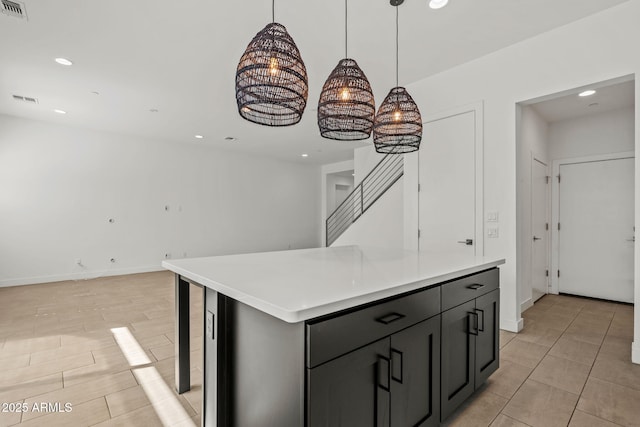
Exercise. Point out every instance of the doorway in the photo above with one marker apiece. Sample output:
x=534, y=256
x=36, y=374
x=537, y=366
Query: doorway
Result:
x=596, y=233
x=540, y=229
x=576, y=131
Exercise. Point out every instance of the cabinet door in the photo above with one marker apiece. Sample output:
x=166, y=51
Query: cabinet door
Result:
x=458, y=356
x=415, y=375
x=487, y=341
x=352, y=390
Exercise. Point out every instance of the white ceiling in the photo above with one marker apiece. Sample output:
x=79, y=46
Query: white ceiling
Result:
x=608, y=97
x=180, y=58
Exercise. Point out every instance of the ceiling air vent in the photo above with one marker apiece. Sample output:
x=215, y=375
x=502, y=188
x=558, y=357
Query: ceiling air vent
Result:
x=25, y=98
x=13, y=8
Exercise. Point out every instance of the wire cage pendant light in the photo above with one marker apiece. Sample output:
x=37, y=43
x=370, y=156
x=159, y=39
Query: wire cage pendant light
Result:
x=271, y=78
x=346, y=108
x=397, y=127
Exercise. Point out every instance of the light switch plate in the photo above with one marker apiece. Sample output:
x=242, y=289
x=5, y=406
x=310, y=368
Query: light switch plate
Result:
x=492, y=232
x=492, y=216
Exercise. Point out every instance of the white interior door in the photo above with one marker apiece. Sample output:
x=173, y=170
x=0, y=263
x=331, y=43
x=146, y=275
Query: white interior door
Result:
x=539, y=229
x=595, y=241
x=447, y=170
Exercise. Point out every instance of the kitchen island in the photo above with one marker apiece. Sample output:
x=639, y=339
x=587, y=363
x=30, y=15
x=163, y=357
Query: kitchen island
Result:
x=351, y=335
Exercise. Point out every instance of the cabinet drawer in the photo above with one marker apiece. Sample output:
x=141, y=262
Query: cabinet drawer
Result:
x=330, y=338
x=465, y=289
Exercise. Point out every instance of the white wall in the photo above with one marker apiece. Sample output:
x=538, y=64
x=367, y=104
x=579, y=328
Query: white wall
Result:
x=605, y=133
x=533, y=142
x=59, y=186
x=332, y=181
x=568, y=57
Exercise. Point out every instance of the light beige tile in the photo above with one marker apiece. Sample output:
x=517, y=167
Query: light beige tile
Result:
x=561, y=373
x=44, y=369
x=582, y=419
x=507, y=379
x=127, y=401
x=85, y=391
x=523, y=352
x=25, y=389
x=617, y=371
x=541, y=405
x=17, y=346
x=142, y=417
x=505, y=337
x=13, y=362
x=615, y=348
x=479, y=410
x=11, y=413
x=504, y=421
x=577, y=351
x=611, y=402
x=84, y=414
x=163, y=352
x=540, y=333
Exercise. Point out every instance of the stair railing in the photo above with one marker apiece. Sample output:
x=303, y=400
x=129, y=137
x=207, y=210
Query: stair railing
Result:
x=365, y=194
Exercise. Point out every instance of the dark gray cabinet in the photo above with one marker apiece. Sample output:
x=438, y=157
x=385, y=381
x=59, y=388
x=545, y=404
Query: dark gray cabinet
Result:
x=391, y=382
x=405, y=361
x=469, y=345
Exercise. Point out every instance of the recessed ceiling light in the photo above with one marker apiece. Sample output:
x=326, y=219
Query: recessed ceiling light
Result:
x=60, y=111
x=437, y=4
x=95, y=92
x=153, y=110
x=63, y=61
x=593, y=104
x=305, y=155
x=199, y=136
x=230, y=138
x=587, y=93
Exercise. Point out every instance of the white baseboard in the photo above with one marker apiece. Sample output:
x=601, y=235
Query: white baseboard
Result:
x=83, y=275
x=635, y=352
x=526, y=305
x=512, y=325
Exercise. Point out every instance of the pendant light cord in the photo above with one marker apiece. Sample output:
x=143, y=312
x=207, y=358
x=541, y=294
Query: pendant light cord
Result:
x=273, y=11
x=397, y=46
x=346, y=55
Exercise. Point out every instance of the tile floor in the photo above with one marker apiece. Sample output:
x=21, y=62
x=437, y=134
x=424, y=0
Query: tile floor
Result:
x=106, y=347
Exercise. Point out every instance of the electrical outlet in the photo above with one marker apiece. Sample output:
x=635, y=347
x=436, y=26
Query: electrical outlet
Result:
x=492, y=232
x=210, y=332
x=79, y=261
x=492, y=216
x=167, y=255
x=113, y=260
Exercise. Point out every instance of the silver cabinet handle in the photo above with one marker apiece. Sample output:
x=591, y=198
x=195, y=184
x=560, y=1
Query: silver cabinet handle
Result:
x=536, y=238
x=467, y=242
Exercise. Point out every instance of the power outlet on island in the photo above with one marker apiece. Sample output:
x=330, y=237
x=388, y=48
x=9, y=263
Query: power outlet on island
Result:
x=210, y=332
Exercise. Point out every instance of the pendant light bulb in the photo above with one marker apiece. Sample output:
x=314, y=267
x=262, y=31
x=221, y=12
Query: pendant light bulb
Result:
x=345, y=95
x=273, y=66
x=397, y=116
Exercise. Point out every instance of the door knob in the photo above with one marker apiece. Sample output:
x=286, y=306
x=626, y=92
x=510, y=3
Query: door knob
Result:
x=467, y=242
x=536, y=238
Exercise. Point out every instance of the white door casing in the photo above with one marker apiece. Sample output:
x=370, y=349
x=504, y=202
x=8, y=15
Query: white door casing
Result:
x=539, y=238
x=450, y=181
x=594, y=205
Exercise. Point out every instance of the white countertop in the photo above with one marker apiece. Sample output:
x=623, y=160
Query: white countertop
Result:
x=298, y=285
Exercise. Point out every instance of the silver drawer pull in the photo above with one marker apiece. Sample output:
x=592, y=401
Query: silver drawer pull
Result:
x=475, y=286
x=389, y=318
